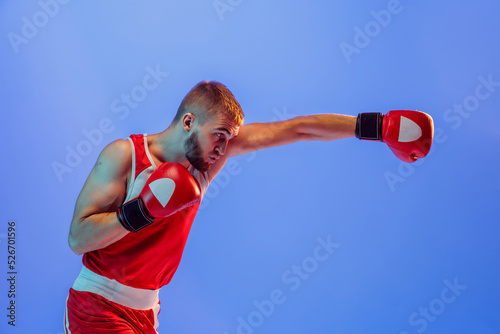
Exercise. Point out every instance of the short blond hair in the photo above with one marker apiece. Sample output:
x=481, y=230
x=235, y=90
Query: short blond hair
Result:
x=208, y=99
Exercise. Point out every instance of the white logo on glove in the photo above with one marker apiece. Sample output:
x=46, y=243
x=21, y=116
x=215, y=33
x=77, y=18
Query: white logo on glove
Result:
x=408, y=130
x=163, y=190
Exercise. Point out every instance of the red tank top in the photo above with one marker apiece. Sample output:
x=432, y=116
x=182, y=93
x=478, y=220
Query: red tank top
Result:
x=149, y=258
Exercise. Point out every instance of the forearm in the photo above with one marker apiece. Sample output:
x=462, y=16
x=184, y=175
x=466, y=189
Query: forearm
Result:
x=95, y=232
x=326, y=127
x=259, y=136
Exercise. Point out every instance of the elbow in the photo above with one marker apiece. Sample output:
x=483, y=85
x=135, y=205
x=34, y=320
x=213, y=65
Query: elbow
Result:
x=302, y=129
x=75, y=246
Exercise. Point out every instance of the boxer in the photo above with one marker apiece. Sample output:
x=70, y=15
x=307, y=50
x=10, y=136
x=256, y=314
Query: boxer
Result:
x=135, y=210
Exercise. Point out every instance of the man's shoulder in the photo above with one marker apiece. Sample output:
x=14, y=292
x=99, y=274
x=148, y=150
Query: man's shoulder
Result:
x=116, y=155
x=117, y=148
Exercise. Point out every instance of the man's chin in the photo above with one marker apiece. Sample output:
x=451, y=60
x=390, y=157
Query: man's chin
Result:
x=198, y=163
x=202, y=167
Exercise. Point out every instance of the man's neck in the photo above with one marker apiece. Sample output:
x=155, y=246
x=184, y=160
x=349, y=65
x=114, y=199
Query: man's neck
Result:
x=168, y=146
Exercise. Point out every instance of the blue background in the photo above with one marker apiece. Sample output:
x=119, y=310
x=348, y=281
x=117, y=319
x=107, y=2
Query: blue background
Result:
x=403, y=233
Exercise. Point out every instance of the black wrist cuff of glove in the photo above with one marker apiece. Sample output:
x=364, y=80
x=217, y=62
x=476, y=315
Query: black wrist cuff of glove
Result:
x=134, y=216
x=369, y=126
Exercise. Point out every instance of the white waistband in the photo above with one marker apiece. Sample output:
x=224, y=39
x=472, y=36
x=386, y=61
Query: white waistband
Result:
x=112, y=290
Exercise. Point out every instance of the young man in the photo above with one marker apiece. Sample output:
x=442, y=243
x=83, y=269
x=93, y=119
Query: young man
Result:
x=134, y=213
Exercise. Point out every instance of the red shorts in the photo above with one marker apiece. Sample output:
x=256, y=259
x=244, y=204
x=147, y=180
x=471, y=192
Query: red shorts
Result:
x=97, y=304
x=87, y=312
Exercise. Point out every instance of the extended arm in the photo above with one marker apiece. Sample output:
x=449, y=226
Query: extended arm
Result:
x=408, y=133
x=259, y=136
x=323, y=127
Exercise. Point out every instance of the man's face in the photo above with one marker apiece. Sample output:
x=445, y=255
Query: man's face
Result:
x=209, y=141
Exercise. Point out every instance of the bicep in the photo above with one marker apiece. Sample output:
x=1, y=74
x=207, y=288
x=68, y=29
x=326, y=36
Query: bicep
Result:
x=105, y=187
x=259, y=136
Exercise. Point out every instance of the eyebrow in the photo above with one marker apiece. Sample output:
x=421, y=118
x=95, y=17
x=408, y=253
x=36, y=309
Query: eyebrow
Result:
x=224, y=130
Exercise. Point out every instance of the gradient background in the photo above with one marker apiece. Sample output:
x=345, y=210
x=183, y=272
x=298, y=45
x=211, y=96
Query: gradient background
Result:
x=403, y=232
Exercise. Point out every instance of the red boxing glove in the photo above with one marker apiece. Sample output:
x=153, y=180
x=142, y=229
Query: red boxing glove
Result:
x=169, y=189
x=408, y=133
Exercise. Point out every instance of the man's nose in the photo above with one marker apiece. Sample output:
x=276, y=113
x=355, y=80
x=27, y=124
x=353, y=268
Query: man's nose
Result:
x=221, y=149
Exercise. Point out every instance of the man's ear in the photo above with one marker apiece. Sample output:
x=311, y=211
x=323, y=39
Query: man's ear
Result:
x=188, y=121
